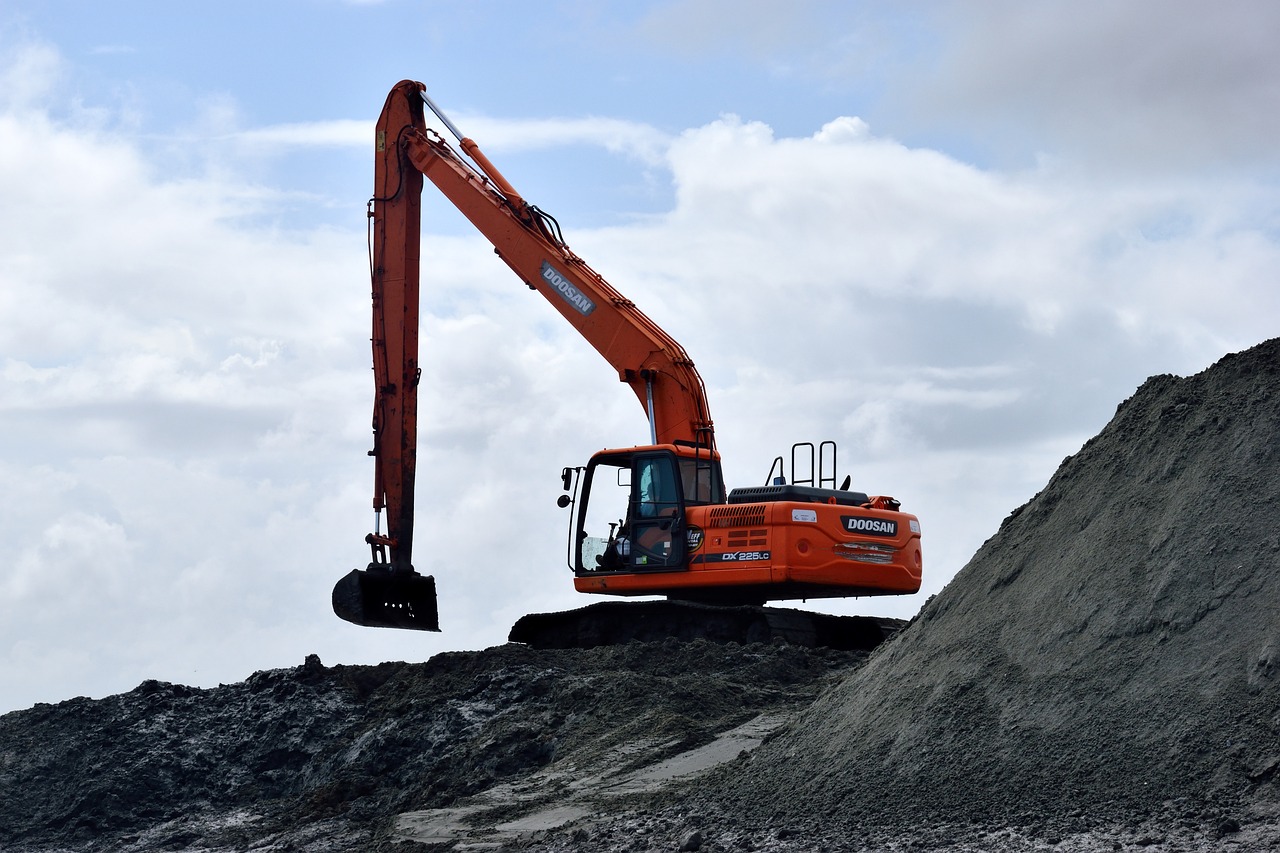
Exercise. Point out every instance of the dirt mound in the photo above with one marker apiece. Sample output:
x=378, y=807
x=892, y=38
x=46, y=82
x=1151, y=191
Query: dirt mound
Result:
x=322, y=757
x=1113, y=652
x=1104, y=673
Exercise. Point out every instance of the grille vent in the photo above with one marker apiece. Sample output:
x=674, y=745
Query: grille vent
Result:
x=744, y=515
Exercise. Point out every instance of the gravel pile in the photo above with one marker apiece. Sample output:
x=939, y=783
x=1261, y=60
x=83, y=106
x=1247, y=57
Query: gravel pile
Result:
x=1103, y=675
x=325, y=758
x=1110, y=656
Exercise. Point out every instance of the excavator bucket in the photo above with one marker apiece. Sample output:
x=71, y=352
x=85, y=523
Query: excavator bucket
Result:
x=382, y=598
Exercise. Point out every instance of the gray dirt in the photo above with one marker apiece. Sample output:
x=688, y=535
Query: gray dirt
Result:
x=1102, y=675
x=317, y=755
x=1110, y=656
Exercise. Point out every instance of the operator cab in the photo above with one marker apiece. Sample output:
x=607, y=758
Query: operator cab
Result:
x=631, y=514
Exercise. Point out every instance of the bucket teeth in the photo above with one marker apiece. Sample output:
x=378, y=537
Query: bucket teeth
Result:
x=385, y=598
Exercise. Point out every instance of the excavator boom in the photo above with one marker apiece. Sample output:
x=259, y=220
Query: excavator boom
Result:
x=650, y=361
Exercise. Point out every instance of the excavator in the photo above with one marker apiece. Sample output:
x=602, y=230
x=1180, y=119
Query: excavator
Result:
x=652, y=521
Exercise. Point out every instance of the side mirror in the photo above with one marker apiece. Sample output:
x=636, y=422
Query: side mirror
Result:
x=566, y=477
x=563, y=501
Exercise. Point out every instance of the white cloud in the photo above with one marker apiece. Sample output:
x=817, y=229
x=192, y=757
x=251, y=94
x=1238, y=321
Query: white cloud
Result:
x=632, y=139
x=29, y=75
x=618, y=136
x=763, y=30
x=184, y=389
x=281, y=137
x=1142, y=86
x=1136, y=85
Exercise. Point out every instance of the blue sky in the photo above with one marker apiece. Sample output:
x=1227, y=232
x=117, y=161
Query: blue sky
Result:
x=952, y=240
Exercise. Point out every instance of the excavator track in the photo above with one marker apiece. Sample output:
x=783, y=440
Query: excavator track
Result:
x=615, y=622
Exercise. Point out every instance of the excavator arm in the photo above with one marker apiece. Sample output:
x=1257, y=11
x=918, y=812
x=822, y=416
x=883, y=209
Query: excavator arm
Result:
x=390, y=593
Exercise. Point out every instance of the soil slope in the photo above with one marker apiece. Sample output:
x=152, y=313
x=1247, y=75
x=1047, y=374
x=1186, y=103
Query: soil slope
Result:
x=1104, y=674
x=1112, y=653
x=325, y=758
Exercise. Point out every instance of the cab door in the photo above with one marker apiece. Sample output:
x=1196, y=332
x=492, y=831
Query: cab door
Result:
x=656, y=513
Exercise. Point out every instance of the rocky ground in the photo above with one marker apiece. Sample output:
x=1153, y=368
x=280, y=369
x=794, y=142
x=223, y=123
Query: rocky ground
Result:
x=350, y=758
x=1110, y=657
x=1103, y=675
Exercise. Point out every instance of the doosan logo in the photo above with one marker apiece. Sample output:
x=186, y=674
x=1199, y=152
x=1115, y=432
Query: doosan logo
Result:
x=565, y=288
x=871, y=526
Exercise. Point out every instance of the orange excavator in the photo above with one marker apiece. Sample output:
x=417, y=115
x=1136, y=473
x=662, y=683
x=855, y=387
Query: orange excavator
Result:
x=651, y=520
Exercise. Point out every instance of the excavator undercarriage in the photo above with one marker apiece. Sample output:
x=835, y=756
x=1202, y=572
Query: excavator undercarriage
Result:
x=609, y=623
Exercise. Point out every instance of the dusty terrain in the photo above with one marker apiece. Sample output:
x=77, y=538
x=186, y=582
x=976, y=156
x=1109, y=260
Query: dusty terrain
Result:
x=322, y=757
x=1101, y=676
x=1108, y=658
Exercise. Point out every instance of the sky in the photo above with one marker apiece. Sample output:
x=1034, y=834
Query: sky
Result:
x=951, y=237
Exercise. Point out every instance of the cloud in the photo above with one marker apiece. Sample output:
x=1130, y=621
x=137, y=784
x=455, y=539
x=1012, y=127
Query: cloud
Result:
x=848, y=218
x=113, y=49
x=1140, y=85
x=349, y=133
x=171, y=387
x=1149, y=86
x=28, y=75
x=184, y=388
x=762, y=28
x=186, y=404
x=632, y=139
x=922, y=310
x=628, y=138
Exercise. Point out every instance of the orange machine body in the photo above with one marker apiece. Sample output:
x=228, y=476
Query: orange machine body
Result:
x=754, y=545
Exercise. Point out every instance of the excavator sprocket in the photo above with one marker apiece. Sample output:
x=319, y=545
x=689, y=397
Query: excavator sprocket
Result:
x=384, y=598
x=614, y=622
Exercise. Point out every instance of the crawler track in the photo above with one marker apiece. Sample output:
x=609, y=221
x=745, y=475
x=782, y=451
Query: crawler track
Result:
x=612, y=622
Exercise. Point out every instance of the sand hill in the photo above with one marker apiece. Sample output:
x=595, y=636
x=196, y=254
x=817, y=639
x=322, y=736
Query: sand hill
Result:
x=1104, y=674
x=1113, y=651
